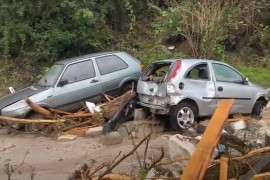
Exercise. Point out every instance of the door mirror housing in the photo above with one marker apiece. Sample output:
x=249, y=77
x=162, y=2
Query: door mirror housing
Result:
x=246, y=80
x=62, y=82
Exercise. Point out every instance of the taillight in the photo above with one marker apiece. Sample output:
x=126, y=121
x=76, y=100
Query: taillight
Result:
x=174, y=71
x=142, y=67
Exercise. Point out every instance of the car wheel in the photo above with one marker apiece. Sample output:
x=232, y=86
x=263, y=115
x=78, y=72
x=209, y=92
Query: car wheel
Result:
x=257, y=111
x=34, y=127
x=183, y=115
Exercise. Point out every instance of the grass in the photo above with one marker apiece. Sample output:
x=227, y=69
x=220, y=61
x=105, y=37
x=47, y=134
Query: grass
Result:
x=257, y=75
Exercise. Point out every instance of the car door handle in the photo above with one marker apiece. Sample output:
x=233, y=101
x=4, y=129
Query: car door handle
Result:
x=220, y=88
x=94, y=81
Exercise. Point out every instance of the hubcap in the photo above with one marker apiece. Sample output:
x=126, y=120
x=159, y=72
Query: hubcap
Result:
x=185, y=117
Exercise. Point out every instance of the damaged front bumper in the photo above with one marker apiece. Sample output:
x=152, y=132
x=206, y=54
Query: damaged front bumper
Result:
x=159, y=105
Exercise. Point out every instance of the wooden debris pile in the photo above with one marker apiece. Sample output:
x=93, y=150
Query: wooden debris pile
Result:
x=52, y=122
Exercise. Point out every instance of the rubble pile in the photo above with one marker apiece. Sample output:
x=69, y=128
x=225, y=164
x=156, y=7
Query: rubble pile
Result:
x=57, y=124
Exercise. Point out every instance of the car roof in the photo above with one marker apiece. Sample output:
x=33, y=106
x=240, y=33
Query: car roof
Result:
x=188, y=60
x=78, y=58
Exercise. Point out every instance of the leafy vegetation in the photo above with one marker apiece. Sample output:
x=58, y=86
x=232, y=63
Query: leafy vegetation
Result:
x=34, y=34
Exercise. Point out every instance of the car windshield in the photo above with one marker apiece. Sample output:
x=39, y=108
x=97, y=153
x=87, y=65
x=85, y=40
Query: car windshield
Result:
x=50, y=76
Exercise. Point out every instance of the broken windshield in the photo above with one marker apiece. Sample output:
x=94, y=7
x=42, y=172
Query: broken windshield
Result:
x=50, y=76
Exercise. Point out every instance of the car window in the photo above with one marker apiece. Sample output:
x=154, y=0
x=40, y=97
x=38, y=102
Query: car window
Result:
x=51, y=76
x=79, y=71
x=226, y=74
x=109, y=64
x=198, y=72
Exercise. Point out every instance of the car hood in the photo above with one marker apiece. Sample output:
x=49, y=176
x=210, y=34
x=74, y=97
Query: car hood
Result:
x=12, y=98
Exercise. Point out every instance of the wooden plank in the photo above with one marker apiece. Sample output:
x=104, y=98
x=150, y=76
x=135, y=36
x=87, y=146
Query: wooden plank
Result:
x=4, y=118
x=223, y=171
x=199, y=161
x=244, y=118
x=264, y=176
x=78, y=115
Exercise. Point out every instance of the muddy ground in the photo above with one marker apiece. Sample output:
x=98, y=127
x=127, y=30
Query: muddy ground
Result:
x=52, y=159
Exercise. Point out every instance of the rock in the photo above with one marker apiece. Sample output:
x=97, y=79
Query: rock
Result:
x=4, y=131
x=123, y=132
x=130, y=126
x=94, y=132
x=267, y=138
x=235, y=126
x=181, y=146
x=190, y=132
x=111, y=138
x=140, y=113
x=202, y=126
x=67, y=137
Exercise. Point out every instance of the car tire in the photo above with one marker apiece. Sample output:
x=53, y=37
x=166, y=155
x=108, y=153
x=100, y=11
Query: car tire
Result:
x=34, y=127
x=257, y=110
x=183, y=115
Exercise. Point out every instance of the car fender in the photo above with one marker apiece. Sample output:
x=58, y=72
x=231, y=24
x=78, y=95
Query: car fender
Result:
x=127, y=80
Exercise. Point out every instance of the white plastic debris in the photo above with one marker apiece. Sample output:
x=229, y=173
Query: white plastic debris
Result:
x=11, y=89
x=90, y=106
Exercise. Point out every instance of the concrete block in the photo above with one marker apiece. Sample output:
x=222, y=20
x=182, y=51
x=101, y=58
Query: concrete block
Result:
x=111, y=138
x=66, y=138
x=140, y=113
x=94, y=132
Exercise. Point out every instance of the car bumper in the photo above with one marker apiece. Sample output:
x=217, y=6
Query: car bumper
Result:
x=18, y=113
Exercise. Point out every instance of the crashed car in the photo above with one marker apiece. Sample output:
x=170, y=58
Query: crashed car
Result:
x=69, y=83
x=191, y=88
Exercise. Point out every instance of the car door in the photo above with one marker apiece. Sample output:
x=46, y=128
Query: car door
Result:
x=198, y=84
x=82, y=84
x=230, y=84
x=112, y=71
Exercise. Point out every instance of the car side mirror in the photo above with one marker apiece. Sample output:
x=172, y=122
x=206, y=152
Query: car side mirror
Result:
x=246, y=80
x=62, y=82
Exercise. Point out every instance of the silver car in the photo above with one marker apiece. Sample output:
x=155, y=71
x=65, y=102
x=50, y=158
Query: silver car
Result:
x=190, y=88
x=70, y=82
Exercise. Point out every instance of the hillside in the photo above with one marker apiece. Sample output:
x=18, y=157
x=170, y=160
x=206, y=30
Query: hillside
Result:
x=34, y=34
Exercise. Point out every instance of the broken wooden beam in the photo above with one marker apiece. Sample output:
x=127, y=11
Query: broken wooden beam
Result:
x=5, y=118
x=57, y=111
x=223, y=170
x=37, y=108
x=78, y=115
x=200, y=159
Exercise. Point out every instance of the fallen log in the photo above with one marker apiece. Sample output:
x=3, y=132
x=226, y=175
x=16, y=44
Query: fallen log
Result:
x=57, y=111
x=37, y=108
x=5, y=118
